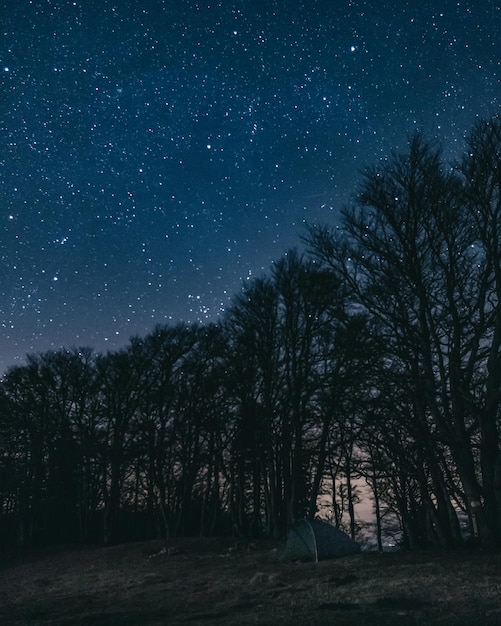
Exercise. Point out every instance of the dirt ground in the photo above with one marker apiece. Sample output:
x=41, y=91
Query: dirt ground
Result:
x=212, y=581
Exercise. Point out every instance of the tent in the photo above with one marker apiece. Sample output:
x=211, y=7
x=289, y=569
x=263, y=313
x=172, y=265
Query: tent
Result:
x=315, y=540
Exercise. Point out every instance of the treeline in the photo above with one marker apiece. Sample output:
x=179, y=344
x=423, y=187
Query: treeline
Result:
x=374, y=357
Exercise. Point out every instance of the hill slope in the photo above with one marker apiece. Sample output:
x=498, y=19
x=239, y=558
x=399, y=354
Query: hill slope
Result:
x=204, y=581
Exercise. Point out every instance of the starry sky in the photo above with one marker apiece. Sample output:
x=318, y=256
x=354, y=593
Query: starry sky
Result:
x=157, y=154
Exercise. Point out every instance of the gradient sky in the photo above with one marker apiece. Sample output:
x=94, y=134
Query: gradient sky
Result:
x=156, y=154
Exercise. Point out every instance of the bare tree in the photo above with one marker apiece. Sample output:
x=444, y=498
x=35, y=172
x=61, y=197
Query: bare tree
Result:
x=49, y=437
x=422, y=258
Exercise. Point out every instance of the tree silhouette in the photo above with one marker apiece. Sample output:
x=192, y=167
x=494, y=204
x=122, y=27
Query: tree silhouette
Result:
x=377, y=355
x=419, y=253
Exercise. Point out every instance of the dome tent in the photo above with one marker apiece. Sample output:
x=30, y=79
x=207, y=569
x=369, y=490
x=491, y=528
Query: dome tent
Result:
x=315, y=540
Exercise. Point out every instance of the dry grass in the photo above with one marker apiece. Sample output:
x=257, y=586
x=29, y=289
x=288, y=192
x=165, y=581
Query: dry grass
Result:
x=208, y=582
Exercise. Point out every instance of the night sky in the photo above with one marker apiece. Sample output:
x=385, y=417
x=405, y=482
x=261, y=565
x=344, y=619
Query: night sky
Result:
x=155, y=155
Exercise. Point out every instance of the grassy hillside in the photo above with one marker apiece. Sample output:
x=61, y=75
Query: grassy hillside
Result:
x=201, y=581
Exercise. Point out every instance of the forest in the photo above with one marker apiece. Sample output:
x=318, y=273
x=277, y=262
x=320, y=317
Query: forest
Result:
x=373, y=356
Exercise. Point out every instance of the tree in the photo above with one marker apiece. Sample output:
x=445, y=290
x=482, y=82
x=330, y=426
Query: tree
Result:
x=420, y=253
x=255, y=377
x=49, y=439
x=154, y=422
x=123, y=379
x=282, y=330
x=480, y=171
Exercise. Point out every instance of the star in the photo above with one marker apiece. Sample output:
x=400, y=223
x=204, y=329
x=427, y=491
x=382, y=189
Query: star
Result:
x=153, y=154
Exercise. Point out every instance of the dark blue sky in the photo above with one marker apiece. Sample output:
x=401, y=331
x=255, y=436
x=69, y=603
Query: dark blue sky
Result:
x=156, y=154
